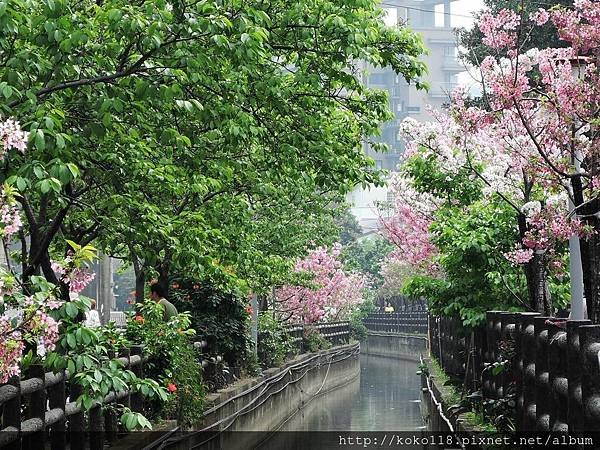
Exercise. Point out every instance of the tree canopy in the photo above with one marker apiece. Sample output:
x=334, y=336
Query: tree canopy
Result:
x=186, y=134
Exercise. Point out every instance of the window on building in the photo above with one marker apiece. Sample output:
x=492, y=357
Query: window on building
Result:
x=439, y=15
x=451, y=50
x=379, y=78
x=413, y=109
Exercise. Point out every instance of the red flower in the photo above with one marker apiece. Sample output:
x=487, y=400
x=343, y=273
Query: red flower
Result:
x=139, y=319
x=249, y=310
x=171, y=387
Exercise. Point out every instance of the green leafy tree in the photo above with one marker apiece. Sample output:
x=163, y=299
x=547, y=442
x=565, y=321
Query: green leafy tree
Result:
x=366, y=256
x=151, y=122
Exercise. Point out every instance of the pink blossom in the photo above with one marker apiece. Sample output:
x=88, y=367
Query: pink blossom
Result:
x=519, y=256
x=11, y=349
x=11, y=219
x=539, y=17
x=579, y=26
x=77, y=278
x=499, y=30
x=12, y=136
x=334, y=293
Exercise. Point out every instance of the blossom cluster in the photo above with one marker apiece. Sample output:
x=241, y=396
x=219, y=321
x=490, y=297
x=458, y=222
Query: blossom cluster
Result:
x=579, y=26
x=26, y=319
x=500, y=30
x=519, y=256
x=76, y=278
x=11, y=349
x=334, y=293
x=11, y=136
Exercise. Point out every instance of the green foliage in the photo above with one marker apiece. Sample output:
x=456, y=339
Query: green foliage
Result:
x=358, y=330
x=313, y=340
x=89, y=356
x=428, y=177
x=350, y=229
x=365, y=256
x=471, y=233
x=274, y=343
x=471, y=243
x=185, y=373
x=176, y=137
x=173, y=361
x=221, y=317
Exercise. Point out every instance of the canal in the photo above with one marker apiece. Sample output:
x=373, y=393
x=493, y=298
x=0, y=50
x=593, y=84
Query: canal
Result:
x=385, y=397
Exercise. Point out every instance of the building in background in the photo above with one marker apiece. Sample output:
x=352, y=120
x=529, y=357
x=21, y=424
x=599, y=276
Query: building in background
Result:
x=431, y=19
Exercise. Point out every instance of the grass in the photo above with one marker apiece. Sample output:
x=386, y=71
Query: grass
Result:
x=451, y=395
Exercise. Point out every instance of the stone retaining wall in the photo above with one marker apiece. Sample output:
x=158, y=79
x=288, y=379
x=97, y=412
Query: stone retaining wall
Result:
x=395, y=345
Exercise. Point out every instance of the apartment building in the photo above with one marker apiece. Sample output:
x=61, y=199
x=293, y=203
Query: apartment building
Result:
x=432, y=20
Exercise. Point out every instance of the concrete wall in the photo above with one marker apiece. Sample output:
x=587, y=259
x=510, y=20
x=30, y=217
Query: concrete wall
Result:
x=394, y=345
x=252, y=408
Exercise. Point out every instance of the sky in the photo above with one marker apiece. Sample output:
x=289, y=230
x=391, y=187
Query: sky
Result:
x=464, y=8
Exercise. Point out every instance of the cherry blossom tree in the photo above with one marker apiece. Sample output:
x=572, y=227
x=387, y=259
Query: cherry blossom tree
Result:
x=331, y=293
x=545, y=103
x=27, y=312
x=532, y=145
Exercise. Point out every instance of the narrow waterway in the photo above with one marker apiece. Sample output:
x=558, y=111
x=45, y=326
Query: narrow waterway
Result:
x=384, y=398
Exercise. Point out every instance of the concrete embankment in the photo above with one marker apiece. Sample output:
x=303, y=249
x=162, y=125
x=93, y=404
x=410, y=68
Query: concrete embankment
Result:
x=394, y=345
x=242, y=415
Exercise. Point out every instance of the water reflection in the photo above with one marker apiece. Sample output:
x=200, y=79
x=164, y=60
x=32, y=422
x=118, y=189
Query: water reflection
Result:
x=383, y=399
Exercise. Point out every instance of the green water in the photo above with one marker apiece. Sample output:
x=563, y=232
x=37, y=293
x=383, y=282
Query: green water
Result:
x=384, y=398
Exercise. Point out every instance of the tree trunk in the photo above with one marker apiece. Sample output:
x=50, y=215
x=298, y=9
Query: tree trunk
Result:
x=536, y=276
x=593, y=262
x=584, y=245
x=542, y=302
x=163, y=276
x=140, y=282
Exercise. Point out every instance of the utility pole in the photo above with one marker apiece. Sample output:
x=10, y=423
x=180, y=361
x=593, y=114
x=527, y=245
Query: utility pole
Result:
x=106, y=299
x=254, y=325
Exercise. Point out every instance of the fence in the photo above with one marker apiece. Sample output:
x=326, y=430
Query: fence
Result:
x=400, y=322
x=404, y=304
x=42, y=409
x=550, y=365
x=334, y=332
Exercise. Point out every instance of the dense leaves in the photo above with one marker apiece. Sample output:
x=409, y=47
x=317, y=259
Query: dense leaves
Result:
x=170, y=131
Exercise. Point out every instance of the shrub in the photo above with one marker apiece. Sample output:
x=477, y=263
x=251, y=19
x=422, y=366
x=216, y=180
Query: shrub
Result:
x=221, y=317
x=314, y=340
x=173, y=361
x=274, y=343
x=358, y=330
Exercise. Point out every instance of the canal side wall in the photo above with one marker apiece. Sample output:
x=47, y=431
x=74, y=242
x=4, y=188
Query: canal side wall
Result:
x=437, y=399
x=394, y=345
x=263, y=404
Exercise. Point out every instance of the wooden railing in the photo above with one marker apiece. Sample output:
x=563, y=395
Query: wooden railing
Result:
x=41, y=409
x=334, y=332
